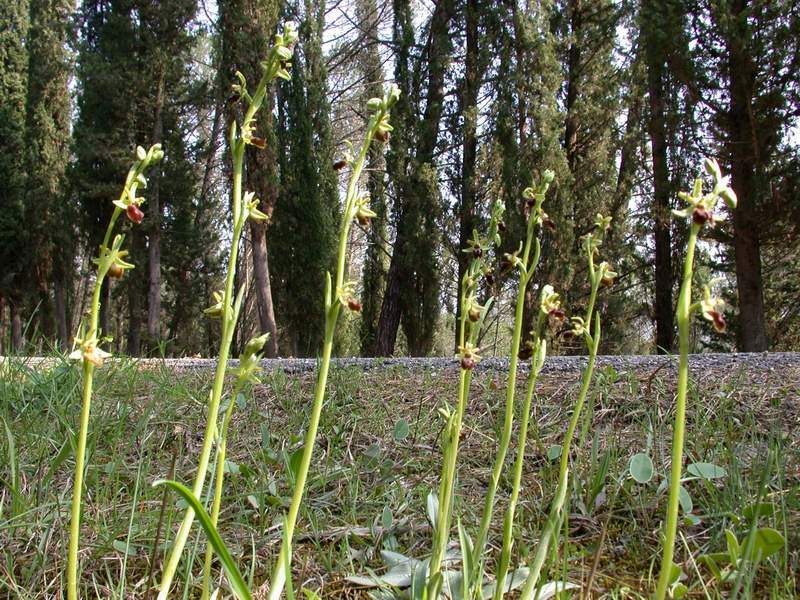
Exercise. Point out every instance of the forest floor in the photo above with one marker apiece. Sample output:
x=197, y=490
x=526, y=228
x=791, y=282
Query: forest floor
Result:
x=376, y=460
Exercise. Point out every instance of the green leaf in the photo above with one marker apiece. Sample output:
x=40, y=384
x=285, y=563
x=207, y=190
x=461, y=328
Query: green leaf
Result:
x=641, y=468
x=678, y=590
x=386, y=517
x=705, y=470
x=685, y=500
x=553, y=452
x=766, y=542
x=294, y=462
x=235, y=578
x=124, y=547
x=433, y=509
x=401, y=430
x=758, y=510
x=733, y=546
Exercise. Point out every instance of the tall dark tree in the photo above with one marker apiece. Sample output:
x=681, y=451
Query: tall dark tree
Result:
x=14, y=251
x=412, y=287
x=47, y=141
x=306, y=215
x=247, y=27
x=657, y=20
x=375, y=259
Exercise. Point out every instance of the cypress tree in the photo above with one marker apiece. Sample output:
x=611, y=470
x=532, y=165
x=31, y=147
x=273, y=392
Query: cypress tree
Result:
x=47, y=141
x=306, y=214
x=375, y=260
x=14, y=248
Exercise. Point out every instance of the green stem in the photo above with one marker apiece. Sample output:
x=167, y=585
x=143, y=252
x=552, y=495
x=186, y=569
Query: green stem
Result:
x=86, y=404
x=222, y=444
x=228, y=327
x=278, y=580
x=508, y=521
x=554, y=519
x=446, y=486
x=683, y=314
x=511, y=390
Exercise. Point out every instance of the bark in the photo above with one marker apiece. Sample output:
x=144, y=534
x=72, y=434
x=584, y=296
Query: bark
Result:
x=656, y=59
x=16, y=328
x=573, y=85
x=266, y=312
x=743, y=153
x=154, y=217
x=60, y=305
x=389, y=320
x=470, y=151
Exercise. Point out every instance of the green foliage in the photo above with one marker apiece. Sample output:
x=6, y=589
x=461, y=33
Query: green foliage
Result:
x=307, y=212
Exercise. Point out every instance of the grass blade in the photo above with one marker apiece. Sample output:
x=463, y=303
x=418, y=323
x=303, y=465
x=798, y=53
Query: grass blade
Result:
x=235, y=578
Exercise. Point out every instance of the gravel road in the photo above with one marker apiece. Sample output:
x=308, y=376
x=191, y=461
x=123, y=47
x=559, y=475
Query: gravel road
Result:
x=555, y=364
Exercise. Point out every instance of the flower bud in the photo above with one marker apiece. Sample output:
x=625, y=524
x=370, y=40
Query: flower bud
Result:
x=374, y=104
x=141, y=153
x=255, y=345
x=116, y=271
x=548, y=176
x=711, y=167
x=134, y=213
x=729, y=196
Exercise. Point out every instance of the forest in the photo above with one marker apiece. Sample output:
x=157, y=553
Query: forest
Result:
x=620, y=99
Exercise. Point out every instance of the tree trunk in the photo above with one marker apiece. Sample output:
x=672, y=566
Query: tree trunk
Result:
x=656, y=58
x=154, y=218
x=16, y=328
x=266, y=312
x=743, y=154
x=389, y=320
x=60, y=305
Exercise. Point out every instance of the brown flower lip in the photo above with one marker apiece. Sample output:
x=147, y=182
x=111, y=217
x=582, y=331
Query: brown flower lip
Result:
x=134, y=213
x=718, y=321
x=382, y=136
x=467, y=363
x=258, y=142
x=474, y=314
x=701, y=216
x=550, y=224
x=558, y=314
x=115, y=271
x=354, y=305
x=477, y=252
x=339, y=165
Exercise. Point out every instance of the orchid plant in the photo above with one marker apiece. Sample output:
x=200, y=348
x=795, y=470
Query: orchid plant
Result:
x=226, y=304
x=700, y=211
x=111, y=262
